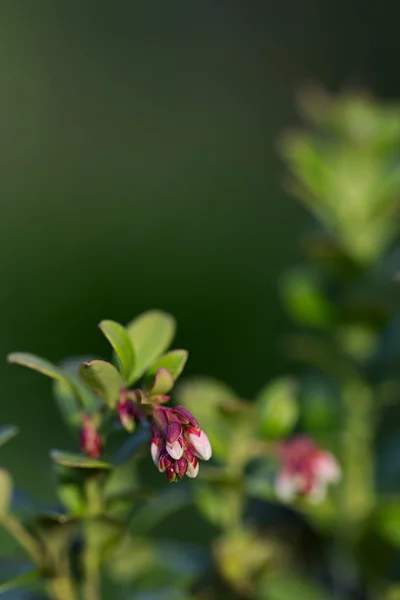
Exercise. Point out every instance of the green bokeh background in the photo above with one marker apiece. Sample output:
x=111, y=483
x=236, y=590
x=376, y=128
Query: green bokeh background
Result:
x=138, y=169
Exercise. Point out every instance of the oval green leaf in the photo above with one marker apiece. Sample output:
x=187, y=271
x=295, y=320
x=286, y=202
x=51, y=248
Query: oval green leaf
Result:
x=53, y=371
x=7, y=432
x=151, y=333
x=37, y=364
x=119, y=339
x=174, y=361
x=278, y=408
x=103, y=379
x=161, y=383
x=79, y=461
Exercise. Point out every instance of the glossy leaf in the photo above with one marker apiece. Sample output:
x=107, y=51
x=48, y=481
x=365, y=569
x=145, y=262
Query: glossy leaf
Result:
x=161, y=383
x=89, y=400
x=37, y=364
x=173, y=361
x=71, y=496
x=6, y=489
x=50, y=370
x=7, y=432
x=79, y=461
x=151, y=333
x=278, y=408
x=119, y=339
x=103, y=379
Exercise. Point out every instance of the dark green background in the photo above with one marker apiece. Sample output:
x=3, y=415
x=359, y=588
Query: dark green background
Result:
x=138, y=169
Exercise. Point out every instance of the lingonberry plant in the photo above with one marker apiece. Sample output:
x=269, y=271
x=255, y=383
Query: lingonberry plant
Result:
x=98, y=399
x=303, y=460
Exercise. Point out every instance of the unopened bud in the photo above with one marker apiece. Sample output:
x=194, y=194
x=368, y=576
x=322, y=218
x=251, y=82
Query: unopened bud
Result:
x=90, y=441
x=200, y=443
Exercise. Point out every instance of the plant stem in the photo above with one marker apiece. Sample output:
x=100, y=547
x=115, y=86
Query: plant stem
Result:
x=357, y=489
x=358, y=486
x=61, y=588
x=91, y=557
x=23, y=537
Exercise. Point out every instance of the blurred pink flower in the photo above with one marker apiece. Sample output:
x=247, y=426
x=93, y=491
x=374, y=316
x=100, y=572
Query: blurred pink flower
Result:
x=306, y=470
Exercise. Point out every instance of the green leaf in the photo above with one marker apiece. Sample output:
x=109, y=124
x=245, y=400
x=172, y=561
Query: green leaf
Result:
x=304, y=299
x=278, y=408
x=289, y=586
x=16, y=573
x=161, y=383
x=67, y=403
x=47, y=368
x=151, y=333
x=159, y=508
x=89, y=400
x=37, y=364
x=104, y=531
x=6, y=488
x=103, y=379
x=79, y=461
x=219, y=502
x=71, y=496
x=7, y=432
x=174, y=361
x=119, y=339
x=241, y=556
x=388, y=522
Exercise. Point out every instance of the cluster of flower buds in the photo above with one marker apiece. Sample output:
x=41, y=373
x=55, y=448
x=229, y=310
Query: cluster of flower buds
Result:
x=306, y=470
x=178, y=442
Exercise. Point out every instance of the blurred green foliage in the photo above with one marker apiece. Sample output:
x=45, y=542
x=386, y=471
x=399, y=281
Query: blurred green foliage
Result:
x=139, y=139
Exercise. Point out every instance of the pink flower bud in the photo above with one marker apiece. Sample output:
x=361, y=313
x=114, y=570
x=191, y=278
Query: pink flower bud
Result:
x=200, y=443
x=171, y=474
x=126, y=413
x=193, y=468
x=155, y=449
x=185, y=416
x=174, y=432
x=160, y=418
x=164, y=461
x=174, y=440
x=181, y=466
x=175, y=450
x=90, y=441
